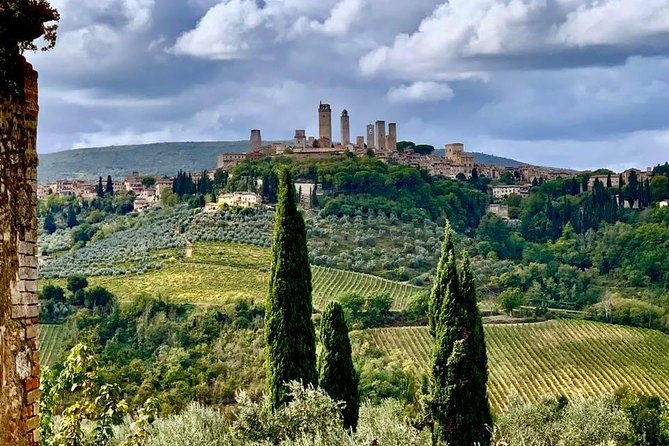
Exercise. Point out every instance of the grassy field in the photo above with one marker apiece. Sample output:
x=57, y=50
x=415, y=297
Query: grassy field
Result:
x=220, y=272
x=52, y=338
x=573, y=358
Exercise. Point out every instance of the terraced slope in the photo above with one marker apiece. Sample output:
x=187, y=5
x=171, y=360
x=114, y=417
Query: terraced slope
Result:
x=219, y=272
x=574, y=358
x=52, y=338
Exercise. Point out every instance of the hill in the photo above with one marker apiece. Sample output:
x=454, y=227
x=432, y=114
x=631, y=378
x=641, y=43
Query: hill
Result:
x=571, y=358
x=164, y=158
x=220, y=272
x=159, y=158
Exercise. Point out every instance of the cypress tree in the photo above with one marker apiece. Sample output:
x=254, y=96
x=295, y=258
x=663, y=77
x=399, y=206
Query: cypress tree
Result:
x=289, y=331
x=109, y=188
x=338, y=377
x=71, y=217
x=98, y=189
x=50, y=223
x=459, y=402
x=444, y=282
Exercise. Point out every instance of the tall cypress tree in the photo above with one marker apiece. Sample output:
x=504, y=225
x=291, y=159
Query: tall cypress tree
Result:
x=338, y=377
x=459, y=402
x=444, y=282
x=289, y=331
x=98, y=189
x=109, y=188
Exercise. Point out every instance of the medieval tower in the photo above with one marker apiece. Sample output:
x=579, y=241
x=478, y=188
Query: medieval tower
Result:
x=345, y=128
x=325, y=125
x=371, y=143
x=391, y=139
x=381, y=135
x=256, y=140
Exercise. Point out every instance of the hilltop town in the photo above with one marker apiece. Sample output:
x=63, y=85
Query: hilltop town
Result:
x=379, y=141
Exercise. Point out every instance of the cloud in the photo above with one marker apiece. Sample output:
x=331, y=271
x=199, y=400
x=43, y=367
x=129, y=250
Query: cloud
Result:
x=488, y=35
x=420, y=92
x=226, y=32
x=342, y=17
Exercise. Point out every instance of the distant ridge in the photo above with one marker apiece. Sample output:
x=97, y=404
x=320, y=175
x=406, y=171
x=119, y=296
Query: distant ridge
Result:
x=165, y=158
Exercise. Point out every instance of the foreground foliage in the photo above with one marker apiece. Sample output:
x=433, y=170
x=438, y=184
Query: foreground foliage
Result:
x=289, y=330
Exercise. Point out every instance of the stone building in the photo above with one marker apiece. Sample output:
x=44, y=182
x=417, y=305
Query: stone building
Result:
x=300, y=139
x=380, y=135
x=371, y=137
x=19, y=305
x=455, y=154
x=345, y=128
x=324, y=125
x=228, y=161
x=360, y=142
x=504, y=190
x=256, y=140
x=391, y=139
x=240, y=199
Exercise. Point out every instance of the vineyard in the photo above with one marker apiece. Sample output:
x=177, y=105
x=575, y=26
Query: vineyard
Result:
x=218, y=272
x=571, y=358
x=52, y=339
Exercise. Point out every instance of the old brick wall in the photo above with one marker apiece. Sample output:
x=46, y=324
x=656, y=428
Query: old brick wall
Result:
x=19, y=356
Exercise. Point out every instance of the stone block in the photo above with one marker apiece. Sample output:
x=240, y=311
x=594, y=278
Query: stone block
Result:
x=31, y=331
x=32, y=423
x=32, y=383
x=18, y=311
x=32, y=311
x=32, y=396
x=26, y=273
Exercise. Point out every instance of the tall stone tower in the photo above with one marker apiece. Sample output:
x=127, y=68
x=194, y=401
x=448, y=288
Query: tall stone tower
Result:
x=371, y=143
x=392, y=137
x=256, y=140
x=345, y=128
x=325, y=125
x=381, y=135
x=19, y=306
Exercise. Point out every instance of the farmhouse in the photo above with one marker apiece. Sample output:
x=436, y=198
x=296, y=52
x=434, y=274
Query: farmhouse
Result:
x=505, y=190
x=240, y=199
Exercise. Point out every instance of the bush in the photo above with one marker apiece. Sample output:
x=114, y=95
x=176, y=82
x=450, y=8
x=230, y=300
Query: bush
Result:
x=418, y=307
x=366, y=311
x=557, y=421
x=632, y=312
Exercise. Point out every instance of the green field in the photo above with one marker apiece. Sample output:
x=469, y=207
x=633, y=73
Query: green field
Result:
x=572, y=358
x=219, y=272
x=52, y=339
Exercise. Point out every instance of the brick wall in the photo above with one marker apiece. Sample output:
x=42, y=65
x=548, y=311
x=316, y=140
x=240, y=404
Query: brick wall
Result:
x=19, y=308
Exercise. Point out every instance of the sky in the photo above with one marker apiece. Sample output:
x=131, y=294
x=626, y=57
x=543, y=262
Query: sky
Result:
x=570, y=83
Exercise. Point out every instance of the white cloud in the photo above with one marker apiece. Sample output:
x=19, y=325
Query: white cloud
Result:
x=342, y=17
x=484, y=35
x=225, y=32
x=420, y=92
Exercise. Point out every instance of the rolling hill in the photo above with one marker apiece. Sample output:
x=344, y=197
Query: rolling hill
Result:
x=159, y=158
x=571, y=358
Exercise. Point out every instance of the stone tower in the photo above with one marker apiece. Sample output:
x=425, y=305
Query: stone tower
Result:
x=391, y=140
x=381, y=135
x=371, y=143
x=325, y=125
x=345, y=128
x=300, y=139
x=256, y=140
x=19, y=306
